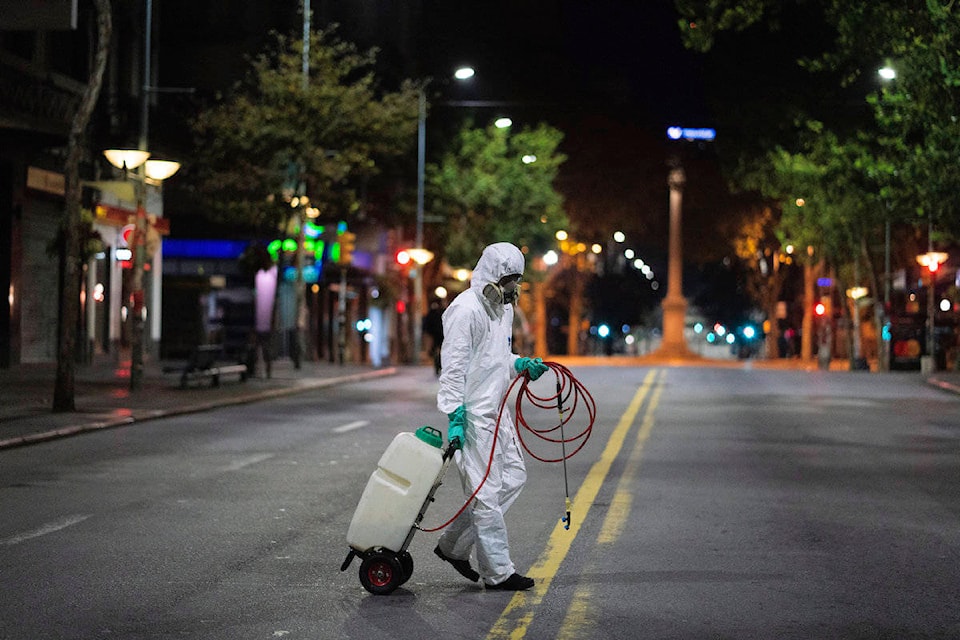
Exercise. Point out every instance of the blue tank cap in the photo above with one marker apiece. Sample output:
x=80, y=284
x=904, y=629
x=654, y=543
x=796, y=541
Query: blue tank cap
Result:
x=431, y=436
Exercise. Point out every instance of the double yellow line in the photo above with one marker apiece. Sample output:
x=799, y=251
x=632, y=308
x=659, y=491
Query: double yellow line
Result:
x=519, y=612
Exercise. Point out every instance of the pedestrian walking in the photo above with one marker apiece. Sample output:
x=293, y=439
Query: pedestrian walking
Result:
x=478, y=365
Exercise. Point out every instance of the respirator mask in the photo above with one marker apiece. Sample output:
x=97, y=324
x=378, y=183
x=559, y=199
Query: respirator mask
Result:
x=506, y=291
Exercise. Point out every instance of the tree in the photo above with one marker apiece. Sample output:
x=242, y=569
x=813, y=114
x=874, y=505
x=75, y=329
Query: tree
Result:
x=499, y=185
x=757, y=247
x=65, y=383
x=859, y=171
x=290, y=135
x=495, y=184
x=913, y=122
x=279, y=132
x=828, y=207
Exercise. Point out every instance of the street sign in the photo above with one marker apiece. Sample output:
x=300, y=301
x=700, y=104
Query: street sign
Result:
x=688, y=133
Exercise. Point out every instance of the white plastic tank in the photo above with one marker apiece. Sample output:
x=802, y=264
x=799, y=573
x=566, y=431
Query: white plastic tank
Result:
x=396, y=491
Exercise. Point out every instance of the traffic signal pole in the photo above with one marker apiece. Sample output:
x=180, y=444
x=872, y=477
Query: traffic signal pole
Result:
x=342, y=317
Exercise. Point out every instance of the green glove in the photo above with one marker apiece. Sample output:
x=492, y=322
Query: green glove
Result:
x=458, y=421
x=533, y=366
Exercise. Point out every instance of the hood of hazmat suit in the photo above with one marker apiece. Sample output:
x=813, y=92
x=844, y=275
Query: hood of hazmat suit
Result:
x=498, y=261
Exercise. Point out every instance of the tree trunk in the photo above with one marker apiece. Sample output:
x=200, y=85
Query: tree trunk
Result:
x=879, y=312
x=771, y=300
x=65, y=384
x=540, y=314
x=576, y=307
x=810, y=273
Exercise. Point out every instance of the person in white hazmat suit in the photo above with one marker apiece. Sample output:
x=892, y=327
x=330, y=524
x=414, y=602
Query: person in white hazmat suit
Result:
x=477, y=367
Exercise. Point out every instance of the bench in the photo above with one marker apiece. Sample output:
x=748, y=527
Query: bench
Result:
x=203, y=364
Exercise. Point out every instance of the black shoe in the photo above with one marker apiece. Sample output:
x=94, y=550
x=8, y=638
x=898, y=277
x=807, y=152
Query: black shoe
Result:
x=462, y=566
x=516, y=582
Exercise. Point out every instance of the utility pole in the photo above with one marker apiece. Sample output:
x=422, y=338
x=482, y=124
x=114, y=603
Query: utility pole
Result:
x=140, y=236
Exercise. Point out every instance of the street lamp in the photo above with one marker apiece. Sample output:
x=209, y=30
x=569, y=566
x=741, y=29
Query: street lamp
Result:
x=887, y=74
x=932, y=261
x=856, y=294
x=463, y=73
x=126, y=158
x=160, y=170
x=154, y=171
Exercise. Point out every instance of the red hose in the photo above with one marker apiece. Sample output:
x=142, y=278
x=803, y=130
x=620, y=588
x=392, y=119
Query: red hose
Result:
x=567, y=386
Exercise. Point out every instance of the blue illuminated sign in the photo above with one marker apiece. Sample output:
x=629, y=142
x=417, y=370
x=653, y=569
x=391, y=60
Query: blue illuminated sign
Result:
x=209, y=249
x=687, y=133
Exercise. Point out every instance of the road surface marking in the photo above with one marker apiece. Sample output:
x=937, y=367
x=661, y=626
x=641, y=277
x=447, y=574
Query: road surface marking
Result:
x=581, y=614
x=50, y=527
x=350, y=426
x=236, y=465
x=518, y=614
x=623, y=497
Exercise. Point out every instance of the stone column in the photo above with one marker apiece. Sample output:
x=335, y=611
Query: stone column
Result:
x=675, y=305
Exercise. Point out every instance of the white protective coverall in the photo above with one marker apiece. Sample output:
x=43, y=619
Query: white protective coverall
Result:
x=477, y=368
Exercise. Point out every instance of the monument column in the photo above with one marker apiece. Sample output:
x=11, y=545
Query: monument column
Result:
x=675, y=305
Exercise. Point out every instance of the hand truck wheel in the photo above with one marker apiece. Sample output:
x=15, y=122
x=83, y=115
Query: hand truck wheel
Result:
x=381, y=573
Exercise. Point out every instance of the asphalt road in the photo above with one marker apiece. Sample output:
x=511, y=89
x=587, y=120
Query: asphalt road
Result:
x=708, y=503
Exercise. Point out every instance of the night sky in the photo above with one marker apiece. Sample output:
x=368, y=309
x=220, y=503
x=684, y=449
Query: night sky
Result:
x=609, y=56
x=552, y=55
x=610, y=74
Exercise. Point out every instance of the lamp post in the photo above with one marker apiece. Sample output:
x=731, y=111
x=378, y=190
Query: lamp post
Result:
x=463, y=73
x=146, y=170
x=152, y=171
x=887, y=74
x=931, y=260
x=855, y=294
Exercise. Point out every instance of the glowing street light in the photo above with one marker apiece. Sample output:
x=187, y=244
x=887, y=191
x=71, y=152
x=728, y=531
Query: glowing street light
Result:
x=932, y=261
x=420, y=255
x=464, y=73
x=159, y=170
x=126, y=158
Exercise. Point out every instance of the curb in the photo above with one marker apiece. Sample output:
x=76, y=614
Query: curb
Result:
x=153, y=414
x=943, y=384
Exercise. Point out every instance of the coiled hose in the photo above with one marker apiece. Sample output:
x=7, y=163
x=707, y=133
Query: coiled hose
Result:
x=567, y=387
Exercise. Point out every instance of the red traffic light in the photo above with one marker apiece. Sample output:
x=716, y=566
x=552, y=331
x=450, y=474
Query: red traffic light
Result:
x=127, y=234
x=820, y=309
x=403, y=257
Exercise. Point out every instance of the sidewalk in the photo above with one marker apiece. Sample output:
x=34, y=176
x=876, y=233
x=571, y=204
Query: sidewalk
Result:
x=103, y=398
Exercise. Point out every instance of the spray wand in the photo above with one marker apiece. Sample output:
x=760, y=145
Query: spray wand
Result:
x=563, y=447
